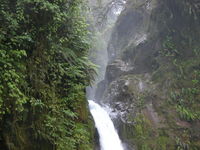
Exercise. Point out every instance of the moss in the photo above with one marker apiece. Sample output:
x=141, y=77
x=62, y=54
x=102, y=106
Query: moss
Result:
x=147, y=137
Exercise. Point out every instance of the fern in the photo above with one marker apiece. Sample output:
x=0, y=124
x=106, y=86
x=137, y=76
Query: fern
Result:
x=187, y=114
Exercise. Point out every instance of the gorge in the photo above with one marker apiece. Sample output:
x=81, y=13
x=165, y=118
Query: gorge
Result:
x=152, y=77
x=137, y=60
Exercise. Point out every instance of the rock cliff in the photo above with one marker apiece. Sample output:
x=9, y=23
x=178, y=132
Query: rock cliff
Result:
x=152, y=80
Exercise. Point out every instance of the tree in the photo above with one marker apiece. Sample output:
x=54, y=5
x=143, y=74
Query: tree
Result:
x=44, y=72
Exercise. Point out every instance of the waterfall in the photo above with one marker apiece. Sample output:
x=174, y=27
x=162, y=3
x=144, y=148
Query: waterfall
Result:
x=109, y=139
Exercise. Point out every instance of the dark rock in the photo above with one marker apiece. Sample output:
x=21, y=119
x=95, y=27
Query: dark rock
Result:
x=101, y=87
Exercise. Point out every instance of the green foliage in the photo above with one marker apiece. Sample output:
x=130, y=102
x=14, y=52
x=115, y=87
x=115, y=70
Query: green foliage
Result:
x=44, y=71
x=187, y=99
x=141, y=101
x=169, y=48
x=12, y=97
x=181, y=145
x=179, y=64
x=141, y=133
x=186, y=113
x=147, y=138
x=185, y=95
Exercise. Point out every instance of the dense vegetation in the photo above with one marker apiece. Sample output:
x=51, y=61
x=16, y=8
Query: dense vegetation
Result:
x=43, y=74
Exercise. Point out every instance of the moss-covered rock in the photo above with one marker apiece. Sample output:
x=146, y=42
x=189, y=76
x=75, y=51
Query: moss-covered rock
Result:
x=157, y=100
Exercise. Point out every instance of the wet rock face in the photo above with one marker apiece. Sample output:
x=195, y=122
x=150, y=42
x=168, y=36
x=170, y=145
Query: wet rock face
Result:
x=132, y=27
x=140, y=78
x=101, y=87
x=126, y=94
x=132, y=42
x=130, y=49
x=141, y=57
x=116, y=69
x=113, y=71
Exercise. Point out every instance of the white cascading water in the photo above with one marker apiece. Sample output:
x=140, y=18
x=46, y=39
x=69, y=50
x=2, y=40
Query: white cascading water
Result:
x=109, y=139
